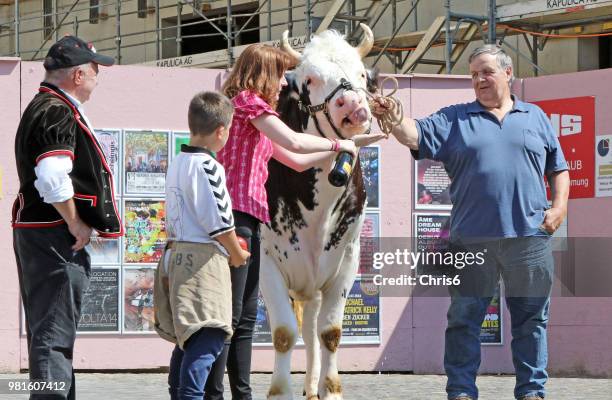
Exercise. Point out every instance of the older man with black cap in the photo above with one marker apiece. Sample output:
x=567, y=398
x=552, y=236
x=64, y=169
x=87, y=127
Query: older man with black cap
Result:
x=66, y=191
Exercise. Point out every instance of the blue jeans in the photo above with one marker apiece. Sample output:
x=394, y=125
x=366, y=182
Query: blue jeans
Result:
x=526, y=267
x=52, y=281
x=189, y=368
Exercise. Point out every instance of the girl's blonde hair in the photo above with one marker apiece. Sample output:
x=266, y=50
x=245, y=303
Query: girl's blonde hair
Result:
x=258, y=69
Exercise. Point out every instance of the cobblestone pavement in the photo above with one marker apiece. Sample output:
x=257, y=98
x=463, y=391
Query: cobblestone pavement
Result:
x=152, y=386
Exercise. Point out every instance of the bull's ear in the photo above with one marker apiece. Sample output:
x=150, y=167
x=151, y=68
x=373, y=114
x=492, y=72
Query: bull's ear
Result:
x=372, y=79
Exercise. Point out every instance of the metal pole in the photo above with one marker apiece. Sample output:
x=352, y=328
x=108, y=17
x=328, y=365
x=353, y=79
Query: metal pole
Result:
x=269, y=20
x=228, y=18
x=118, y=37
x=308, y=22
x=290, y=17
x=534, y=55
x=55, y=27
x=394, y=23
x=76, y=26
x=17, y=44
x=449, y=37
x=416, y=17
x=492, y=21
x=179, y=22
x=157, y=31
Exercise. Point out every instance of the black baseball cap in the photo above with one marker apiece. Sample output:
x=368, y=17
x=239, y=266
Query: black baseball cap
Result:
x=71, y=51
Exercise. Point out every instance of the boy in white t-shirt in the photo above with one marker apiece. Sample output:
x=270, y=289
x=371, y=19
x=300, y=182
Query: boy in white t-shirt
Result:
x=193, y=290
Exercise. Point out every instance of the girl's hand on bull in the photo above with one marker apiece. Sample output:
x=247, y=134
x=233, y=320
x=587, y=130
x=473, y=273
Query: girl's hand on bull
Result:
x=367, y=139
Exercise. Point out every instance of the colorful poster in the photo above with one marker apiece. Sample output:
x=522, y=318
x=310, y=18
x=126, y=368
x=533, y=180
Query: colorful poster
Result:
x=179, y=138
x=369, y=161
x=362, y=314
x=361, y=323
x=138, y=316
x=431, y=232
x=431, y=235
x=432, y=186
x=100, y=305
x=110, y=141
x=491, y=332
x=263, y=332
x=145, y=230
x=146, y=162
x=369, y=239
x=573, y=121
x=603, y=166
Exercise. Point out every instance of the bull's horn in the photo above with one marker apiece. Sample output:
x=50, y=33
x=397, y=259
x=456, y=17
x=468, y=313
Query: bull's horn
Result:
x=366, y=43
x=286, y=47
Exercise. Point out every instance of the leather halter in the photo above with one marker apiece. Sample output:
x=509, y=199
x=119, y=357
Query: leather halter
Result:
x=304, y=105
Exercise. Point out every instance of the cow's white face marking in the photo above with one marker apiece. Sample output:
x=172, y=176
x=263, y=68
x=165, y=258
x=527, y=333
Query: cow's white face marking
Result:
x=327, y=59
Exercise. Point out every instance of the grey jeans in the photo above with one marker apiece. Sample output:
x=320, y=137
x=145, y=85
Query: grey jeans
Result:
x=52, y=280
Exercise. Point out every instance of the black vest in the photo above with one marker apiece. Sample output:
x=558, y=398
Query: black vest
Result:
x=51, y=125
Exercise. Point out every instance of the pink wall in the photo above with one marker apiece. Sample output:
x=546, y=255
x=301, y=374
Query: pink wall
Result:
x=9, y=186
x=412, y=328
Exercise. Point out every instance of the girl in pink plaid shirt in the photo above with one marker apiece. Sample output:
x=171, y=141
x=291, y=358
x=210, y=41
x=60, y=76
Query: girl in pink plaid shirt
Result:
x=256, y=135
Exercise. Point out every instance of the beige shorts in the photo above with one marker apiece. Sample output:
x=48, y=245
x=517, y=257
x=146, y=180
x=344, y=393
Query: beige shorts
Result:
x=193, y=290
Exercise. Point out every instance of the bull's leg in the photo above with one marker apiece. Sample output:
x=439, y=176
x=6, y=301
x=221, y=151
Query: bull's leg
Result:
x=330, y=330
x=311, y=341
x=283, y=325
x=329, y=324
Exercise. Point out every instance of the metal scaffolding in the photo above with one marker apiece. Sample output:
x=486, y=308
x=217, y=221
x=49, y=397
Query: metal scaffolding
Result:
x=404, y=48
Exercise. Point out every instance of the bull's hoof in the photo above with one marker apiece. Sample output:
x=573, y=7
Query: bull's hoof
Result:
x=283, y=396
x=277, y=393
x=332, y=396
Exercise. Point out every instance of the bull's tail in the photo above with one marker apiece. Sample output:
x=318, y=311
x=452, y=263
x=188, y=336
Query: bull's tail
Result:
x=298, y=310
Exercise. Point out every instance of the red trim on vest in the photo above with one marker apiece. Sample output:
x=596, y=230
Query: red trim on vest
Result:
x=83, y=126
x=55, y=153
x=87, y=197
x=51, y=224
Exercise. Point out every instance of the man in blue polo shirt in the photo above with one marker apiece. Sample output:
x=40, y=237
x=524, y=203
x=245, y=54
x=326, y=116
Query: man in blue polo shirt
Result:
x=496, y=151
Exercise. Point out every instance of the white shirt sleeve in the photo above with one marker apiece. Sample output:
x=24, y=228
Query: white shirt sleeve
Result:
x=53, y=183
x=215, y=210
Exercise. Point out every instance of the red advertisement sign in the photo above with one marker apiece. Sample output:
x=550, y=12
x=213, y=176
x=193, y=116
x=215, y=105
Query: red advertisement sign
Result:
x=573, y=120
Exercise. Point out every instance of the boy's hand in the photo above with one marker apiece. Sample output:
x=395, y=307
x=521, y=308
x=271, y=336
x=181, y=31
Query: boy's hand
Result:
x=239, y=258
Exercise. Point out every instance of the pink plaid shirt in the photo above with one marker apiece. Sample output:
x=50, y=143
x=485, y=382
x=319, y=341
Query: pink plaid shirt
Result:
x=245, y=157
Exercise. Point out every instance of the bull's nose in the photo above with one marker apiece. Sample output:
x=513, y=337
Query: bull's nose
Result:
x=359, y=116
x=349, y=99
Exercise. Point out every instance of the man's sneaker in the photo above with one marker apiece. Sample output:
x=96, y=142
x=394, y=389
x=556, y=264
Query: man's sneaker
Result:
x=532, y=398
x=466, y=398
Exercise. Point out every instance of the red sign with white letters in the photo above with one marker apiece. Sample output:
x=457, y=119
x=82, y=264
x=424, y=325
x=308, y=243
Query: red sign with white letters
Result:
x=573, y=121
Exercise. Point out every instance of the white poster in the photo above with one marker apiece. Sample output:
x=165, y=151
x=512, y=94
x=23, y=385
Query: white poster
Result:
x=603, y=166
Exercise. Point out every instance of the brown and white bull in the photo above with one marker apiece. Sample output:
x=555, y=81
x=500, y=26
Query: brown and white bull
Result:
x=310, y=249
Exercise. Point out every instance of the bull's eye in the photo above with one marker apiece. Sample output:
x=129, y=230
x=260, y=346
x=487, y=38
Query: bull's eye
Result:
x=308, y=82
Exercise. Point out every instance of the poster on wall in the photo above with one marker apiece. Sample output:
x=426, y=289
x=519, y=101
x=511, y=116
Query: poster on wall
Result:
x=491, y=332
x=263, y=332
x=432, y=186
x=369, y=239
x=361, y=323
x=104, y=251
x=100, y=304
x=573, y=121
x=146, y=162
x=603, y=166
x=145, y=230
x=138, y=315
x=178, y=139
x=369, y=158
x=431, y=233
x=110, y=141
